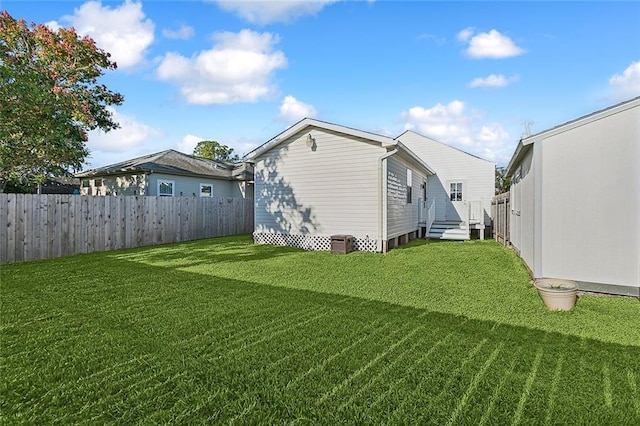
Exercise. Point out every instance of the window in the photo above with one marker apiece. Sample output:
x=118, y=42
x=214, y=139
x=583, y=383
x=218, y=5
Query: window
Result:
x=84, y=183
x=409, y=185
x=206, y=190
x=165, y=188
x=99, y=183
x=455, y=191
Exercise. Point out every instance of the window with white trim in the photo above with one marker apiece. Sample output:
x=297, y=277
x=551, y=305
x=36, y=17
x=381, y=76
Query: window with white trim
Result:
x=206, y=190
x=455, y=191
x=166, y=187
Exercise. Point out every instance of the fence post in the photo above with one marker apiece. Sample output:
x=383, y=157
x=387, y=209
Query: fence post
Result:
x=504, y=231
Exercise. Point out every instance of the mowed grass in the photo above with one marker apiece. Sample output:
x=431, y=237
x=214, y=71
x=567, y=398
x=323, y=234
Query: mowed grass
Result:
x=224, y=331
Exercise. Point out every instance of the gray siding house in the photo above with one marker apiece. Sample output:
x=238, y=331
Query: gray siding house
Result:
x=318, y=179
x=575, y=200
x=170, y=173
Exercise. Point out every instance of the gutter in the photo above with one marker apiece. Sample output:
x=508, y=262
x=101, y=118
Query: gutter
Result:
x=382, y=198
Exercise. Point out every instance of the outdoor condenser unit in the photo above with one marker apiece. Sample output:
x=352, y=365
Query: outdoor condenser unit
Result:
x=341, y=244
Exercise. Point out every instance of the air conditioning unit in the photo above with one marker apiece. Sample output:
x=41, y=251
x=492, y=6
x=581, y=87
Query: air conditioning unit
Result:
x=341, y=244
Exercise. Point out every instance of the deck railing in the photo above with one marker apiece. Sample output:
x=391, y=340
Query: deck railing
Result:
x=476, y=212
x=431, y=214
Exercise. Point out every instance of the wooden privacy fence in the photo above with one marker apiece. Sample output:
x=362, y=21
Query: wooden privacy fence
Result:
x=44, y=226
x=500, y=215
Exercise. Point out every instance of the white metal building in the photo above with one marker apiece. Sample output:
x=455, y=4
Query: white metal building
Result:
x=575, y=200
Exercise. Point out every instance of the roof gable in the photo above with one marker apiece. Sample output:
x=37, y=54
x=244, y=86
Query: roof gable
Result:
x=305, y=123
x=387, y=143
x=411, y=132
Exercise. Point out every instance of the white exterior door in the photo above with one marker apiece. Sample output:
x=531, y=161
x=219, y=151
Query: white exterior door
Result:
x=456, y=205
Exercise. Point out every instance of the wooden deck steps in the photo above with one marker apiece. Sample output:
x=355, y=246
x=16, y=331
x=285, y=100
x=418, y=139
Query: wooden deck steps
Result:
x=447, y=230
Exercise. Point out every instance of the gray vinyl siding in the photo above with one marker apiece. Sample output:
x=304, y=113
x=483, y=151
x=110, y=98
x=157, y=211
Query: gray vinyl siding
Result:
x=188, y=186
x=402, y=217
x=330, y=189
x=451, y=164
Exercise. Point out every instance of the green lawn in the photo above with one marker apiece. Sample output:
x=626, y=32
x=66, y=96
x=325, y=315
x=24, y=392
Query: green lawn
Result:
x=224, y=331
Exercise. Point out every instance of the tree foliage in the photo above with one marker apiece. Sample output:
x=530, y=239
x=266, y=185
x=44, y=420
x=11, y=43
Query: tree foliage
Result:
x=214, y=150
x=49, y=99
x=503, y=182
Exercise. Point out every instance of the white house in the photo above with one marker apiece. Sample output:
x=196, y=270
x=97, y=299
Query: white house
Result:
x=318, y=179
x=575, y=200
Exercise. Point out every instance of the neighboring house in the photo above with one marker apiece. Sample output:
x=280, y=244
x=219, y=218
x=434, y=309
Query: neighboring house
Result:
x=575, y=200
x=318, y=179
x=170, y=173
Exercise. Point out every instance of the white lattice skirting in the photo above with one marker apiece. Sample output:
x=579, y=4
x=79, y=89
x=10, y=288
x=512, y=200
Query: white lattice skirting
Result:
x=310, y=242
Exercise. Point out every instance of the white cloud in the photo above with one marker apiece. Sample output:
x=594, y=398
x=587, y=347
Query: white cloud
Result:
x=122, y=31
x=293, y=110
x=185, y=32
x=488, y=45
x=188, y=143
x=465, y=35
x=453, y=125
x=626, y=85
x=130, y=135
x=440, y=41
x=53, y=25
x=237, y=69
x=268, y=11
x=493, y=80
x=245, y=145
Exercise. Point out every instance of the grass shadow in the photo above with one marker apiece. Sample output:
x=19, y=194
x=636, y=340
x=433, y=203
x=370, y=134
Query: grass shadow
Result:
x=143, y=342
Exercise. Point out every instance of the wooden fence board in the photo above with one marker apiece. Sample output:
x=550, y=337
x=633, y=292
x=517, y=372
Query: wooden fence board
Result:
x=64, y=228
x=500, y=215
x=8, y=242
x=44, y=226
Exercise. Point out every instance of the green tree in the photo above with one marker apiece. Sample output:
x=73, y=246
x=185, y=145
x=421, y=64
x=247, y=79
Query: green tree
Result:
x=50, y=99
x=214, y=150
x=503, y=182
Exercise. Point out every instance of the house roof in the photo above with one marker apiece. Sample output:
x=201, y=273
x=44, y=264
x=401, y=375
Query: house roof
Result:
x=524, y=143
x=174, y=163
x=385, y=141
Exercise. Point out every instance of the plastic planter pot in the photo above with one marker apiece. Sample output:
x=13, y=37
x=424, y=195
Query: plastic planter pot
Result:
x=557, y=295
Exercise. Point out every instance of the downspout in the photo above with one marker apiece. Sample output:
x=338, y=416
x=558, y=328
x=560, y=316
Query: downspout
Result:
x=382, y=199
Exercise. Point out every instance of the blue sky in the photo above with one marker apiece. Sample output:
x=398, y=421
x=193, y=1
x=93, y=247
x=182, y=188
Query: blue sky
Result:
x=469, y=74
